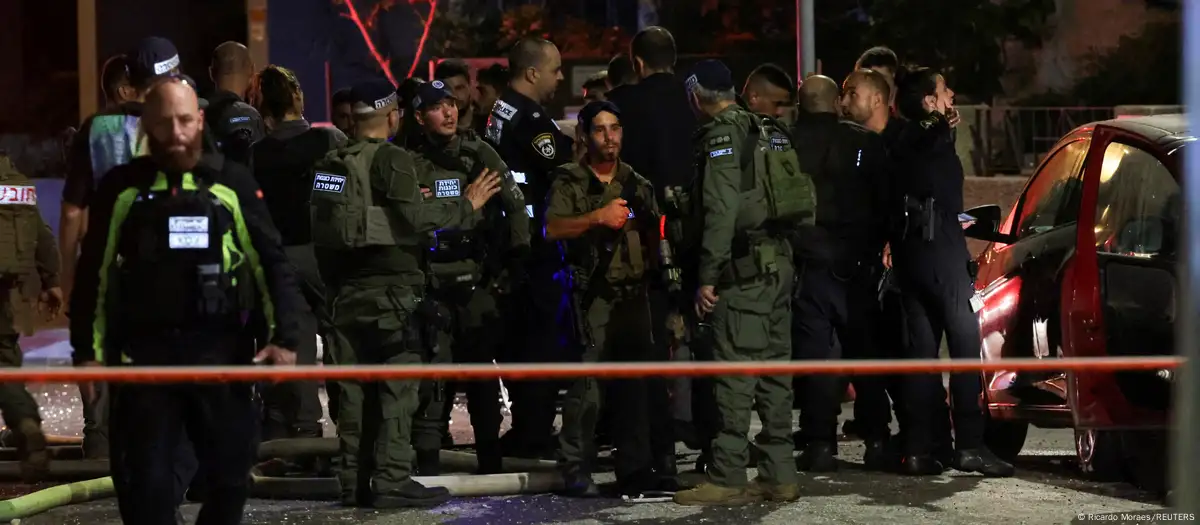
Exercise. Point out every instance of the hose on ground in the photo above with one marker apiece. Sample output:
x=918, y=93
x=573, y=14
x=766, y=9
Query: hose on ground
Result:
x=328, y=489
x=452, y=460
x=44, y=500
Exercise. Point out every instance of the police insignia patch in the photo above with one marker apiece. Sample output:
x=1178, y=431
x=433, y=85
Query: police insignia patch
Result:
x=504, y=110
x=438, y=84
x=720, y=153
x=544, y=144
x=446, y=188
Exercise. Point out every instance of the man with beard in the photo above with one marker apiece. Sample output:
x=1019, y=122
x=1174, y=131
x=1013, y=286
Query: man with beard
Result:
x=531, y=144
x=341, y=116
x=189, y=249
x=490, y=82
x=456, y=74
x=460, y=282
x=607, y=217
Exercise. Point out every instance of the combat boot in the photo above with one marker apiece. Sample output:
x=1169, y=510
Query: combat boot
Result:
x=708, y=494
x=775, y=492
x=983, y=461
x=31, y=448
x=409, y=494
x=488, y=455
x=818, y=456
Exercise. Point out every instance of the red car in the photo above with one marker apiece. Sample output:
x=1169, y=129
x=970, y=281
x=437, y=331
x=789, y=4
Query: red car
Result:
x=1084, y=266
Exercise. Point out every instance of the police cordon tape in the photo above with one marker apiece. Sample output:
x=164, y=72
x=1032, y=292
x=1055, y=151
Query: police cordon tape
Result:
x=224, y=374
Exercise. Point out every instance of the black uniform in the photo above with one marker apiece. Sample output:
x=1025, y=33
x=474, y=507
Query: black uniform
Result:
x=658, y=124
x=233, y=124
x=283, y=164
x=841, y=266
x=532, y=145
x=935, y=276
x=160, y=319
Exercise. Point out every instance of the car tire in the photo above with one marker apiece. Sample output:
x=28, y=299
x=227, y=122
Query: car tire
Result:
x=1146, y=460
x=1005, y=438
x=1101, y=454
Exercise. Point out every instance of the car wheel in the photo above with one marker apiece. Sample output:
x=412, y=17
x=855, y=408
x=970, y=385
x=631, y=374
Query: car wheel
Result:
x=1101, y=455
x=1146, y=459
x=1005, y=438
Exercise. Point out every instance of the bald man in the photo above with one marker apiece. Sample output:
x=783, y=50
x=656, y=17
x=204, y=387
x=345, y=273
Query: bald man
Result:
x=234, y=124
x=183, y=302
x=837, y=296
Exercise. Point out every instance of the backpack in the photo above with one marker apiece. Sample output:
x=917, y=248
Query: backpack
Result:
x=344, y=214
x=19, y=223
x=791, y=197
x=182, y=262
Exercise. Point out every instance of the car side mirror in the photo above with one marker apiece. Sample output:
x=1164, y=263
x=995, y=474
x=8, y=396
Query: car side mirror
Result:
x=987, y=225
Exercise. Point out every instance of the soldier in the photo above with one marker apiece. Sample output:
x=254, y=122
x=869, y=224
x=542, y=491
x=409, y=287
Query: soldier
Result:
x=368, y=224
x=753, y=198
x=607, y=215
x=531, y=144
x=28, y=272
x=460, y=283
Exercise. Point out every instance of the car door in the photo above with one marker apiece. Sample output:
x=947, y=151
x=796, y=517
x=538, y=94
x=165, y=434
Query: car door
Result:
x=1136, y=216
x=1043, y=226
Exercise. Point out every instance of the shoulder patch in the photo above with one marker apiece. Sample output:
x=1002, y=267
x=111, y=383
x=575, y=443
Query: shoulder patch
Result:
x=236, y=120
x=544, y=144
x=780, y=143
x=720, y=153
x=504, y=110
x=23, y=195
x=719, y=139
x=328, y=182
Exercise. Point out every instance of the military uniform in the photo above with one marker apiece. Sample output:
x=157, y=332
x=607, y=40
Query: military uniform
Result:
x=611, y=271
x=749, y=263
x=531, y=145
x=28, y=265
x=369, y=227
x=464, y=289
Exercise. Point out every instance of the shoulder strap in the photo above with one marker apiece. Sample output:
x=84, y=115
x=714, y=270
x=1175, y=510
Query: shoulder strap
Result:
x=446, y=161
x=749, y=150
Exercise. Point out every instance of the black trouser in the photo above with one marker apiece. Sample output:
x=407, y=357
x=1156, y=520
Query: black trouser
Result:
x=293, y=409
x=184, y=467
x=658, y=389
x=705, y=418
x=838, y=300
x=151, y=427
x=937, y=290
x=532, y=336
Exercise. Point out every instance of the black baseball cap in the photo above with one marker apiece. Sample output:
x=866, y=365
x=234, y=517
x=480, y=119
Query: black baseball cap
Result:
x=593, y=108
x=152, y=57
x=430, y=93
x=371, y=96
x=711, y=74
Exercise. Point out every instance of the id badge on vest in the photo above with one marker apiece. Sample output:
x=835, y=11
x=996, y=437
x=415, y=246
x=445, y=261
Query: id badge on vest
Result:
x=187, y=233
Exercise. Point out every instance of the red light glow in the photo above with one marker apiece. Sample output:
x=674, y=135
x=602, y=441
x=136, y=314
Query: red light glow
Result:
x=385, y=63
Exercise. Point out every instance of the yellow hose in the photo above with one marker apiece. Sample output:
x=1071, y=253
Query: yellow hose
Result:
x=44, y=500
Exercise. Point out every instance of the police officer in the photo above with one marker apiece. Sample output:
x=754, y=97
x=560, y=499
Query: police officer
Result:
x=28, y=271
x=768, y=90
x=753, y=198
x=461, y=282
x=659, y=124
x=369, y=223
x=935, y=275
x=234, y=124
x=183, y=300
x=608, y=217
x=838, y=293
x=283, y=165
x=339, y=107
x=531, y=144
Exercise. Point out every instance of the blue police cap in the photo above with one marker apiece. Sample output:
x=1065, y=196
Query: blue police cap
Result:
x=711, y=74
x=589, y=111
x=371, y=96
x=430, y=93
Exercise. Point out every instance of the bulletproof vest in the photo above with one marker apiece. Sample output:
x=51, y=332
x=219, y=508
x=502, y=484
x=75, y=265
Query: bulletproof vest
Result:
x=614, y=256
x=447, y=177
x=179, y=261
x=19, y=223
x=770, y=162
x=284, y=169
x=343, y=209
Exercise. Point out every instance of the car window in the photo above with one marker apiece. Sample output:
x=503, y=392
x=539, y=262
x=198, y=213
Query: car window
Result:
x=1052, y=198
x=1139, y=204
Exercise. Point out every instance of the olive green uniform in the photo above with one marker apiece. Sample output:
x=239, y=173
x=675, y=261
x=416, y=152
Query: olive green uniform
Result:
x=464, y=289
x=610, y=273
x=753, y=275
x=374, y=291
x=28, y=265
